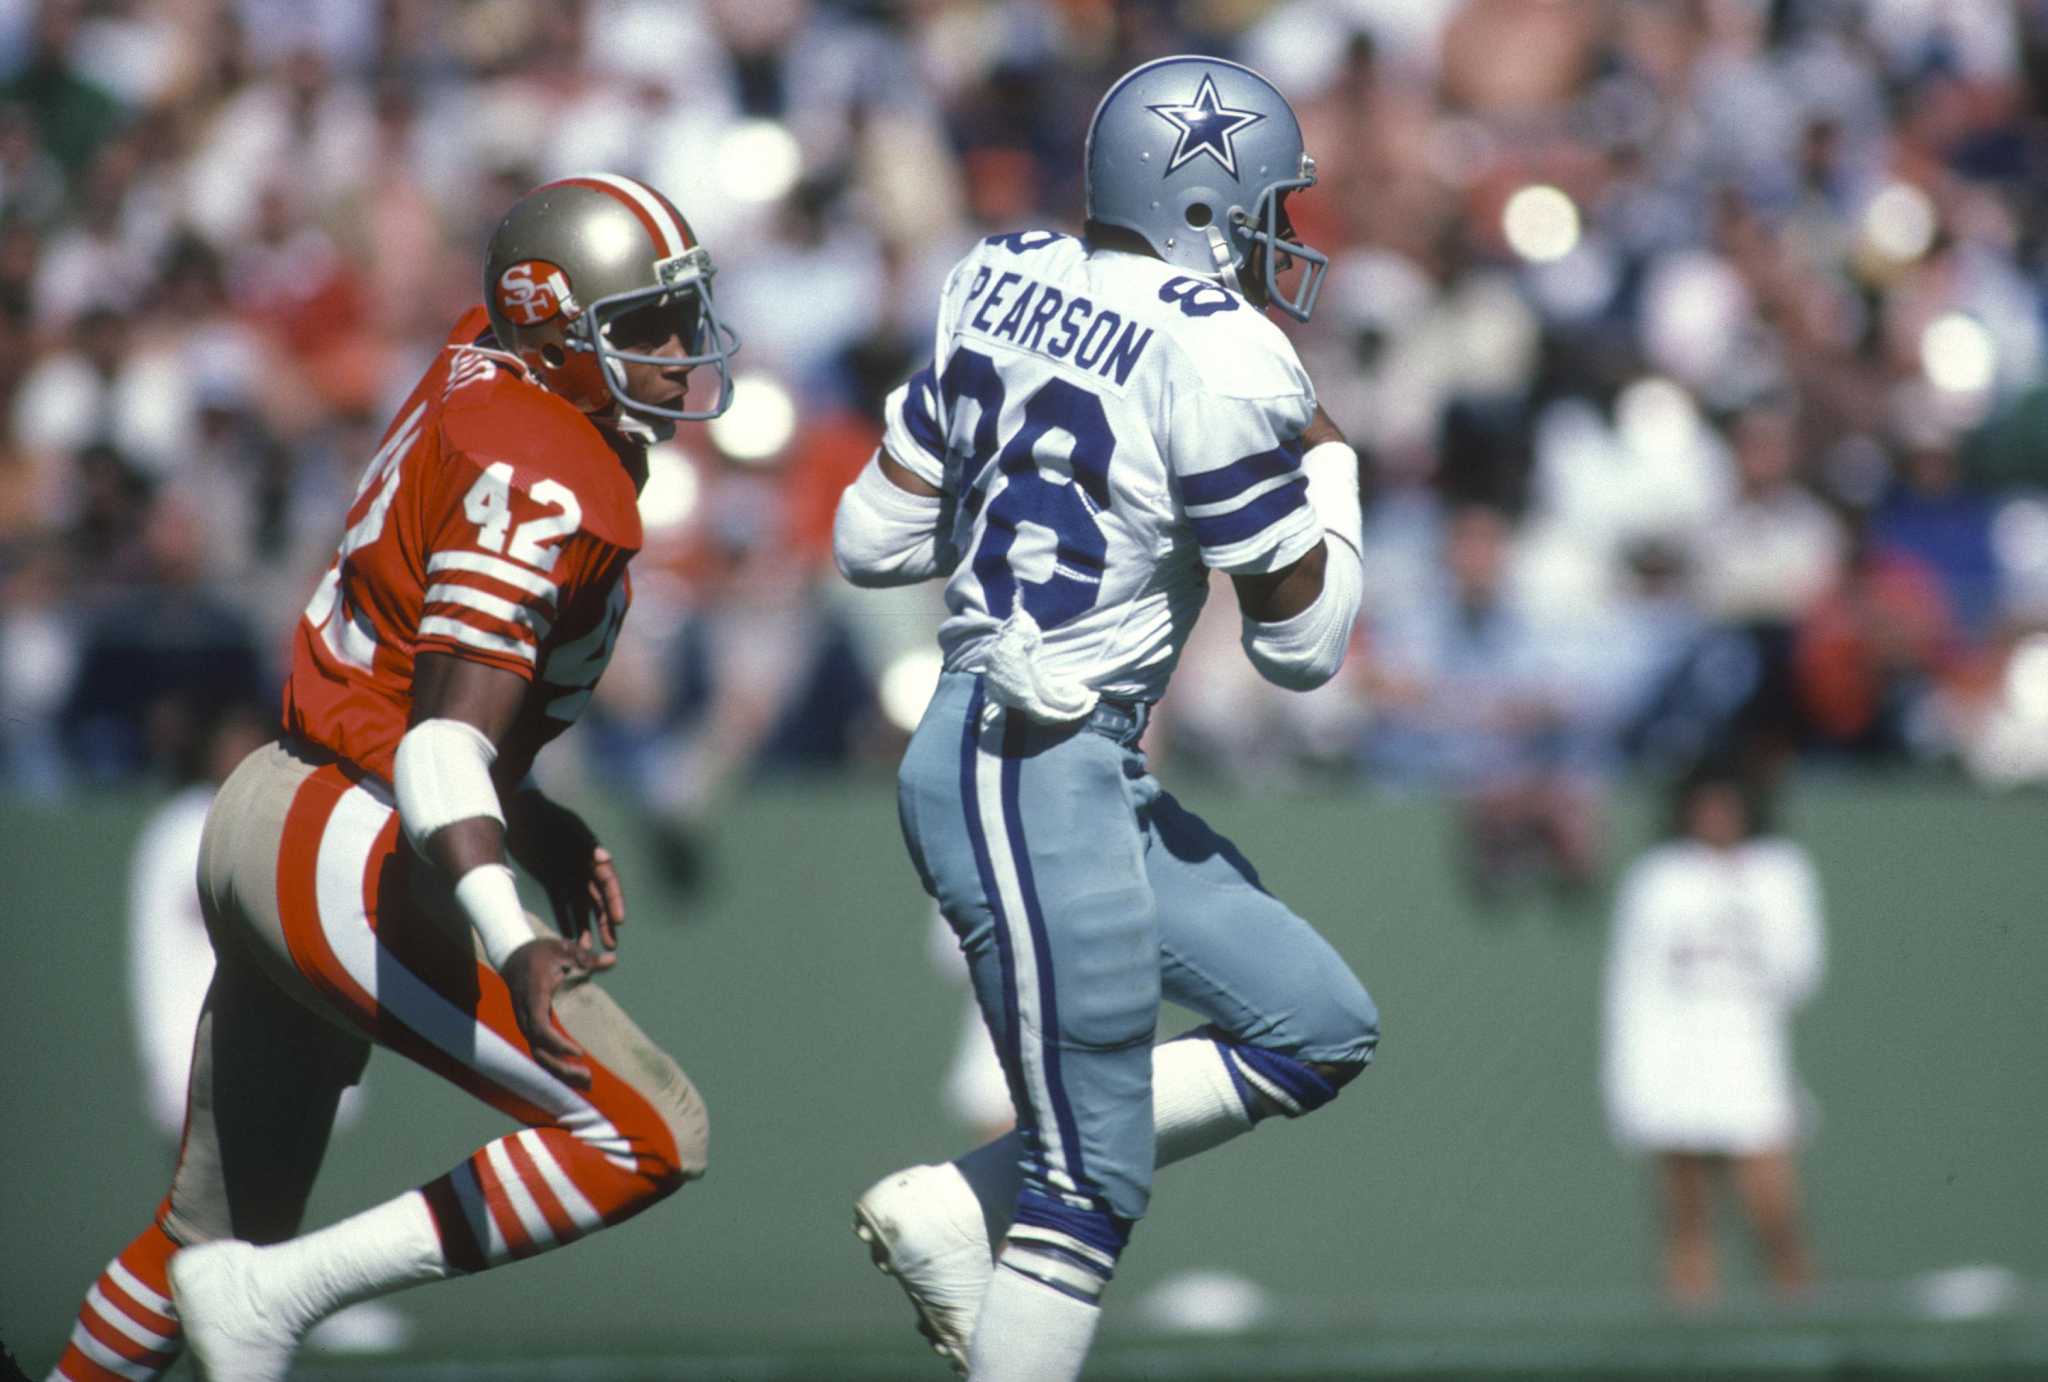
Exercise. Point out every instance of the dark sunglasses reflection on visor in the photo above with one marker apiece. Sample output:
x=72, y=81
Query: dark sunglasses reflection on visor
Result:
x=652, y=325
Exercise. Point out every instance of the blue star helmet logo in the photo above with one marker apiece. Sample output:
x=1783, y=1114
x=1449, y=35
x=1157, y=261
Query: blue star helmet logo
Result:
x=1206, y=126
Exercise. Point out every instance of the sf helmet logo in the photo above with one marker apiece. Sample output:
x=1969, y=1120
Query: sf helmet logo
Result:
x=533, y=291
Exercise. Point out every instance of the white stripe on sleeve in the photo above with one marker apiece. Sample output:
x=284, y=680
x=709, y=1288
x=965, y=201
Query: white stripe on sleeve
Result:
x=485, y=603
x=475, y=638
x=497, y=568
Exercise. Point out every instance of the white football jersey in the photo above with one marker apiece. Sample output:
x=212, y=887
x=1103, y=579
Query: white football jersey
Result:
x=1106, y=428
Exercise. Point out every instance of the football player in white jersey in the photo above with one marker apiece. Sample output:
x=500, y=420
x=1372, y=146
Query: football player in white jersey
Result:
x=1103, y=421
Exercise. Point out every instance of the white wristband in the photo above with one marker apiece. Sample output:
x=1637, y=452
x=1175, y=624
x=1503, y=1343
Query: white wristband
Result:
x=1332, y=471
x=490, y=900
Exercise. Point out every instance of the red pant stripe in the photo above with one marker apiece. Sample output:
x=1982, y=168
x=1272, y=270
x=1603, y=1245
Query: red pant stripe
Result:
x=354, y=895
x=411, y=982
x=298, y=897
x=351, y=924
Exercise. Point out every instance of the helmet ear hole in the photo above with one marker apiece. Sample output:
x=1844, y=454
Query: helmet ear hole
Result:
x=551, y=355
x=1198, y=214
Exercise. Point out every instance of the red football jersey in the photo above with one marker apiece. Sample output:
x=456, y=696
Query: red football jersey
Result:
x=494, y=523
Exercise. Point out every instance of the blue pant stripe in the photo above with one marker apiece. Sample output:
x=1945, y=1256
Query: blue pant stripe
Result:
x=970, y=746
x=1254, y=1106
x=1013, y=820
x=1295, y=1081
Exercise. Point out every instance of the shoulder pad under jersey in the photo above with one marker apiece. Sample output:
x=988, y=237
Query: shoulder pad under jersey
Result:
x=1232, y=347
x=503, y=416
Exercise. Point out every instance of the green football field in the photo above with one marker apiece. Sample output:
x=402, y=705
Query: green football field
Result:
x=1459, y=1213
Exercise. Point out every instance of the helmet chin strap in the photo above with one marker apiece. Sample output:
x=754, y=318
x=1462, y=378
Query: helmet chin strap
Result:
x=644, y=431
x=1220, y=254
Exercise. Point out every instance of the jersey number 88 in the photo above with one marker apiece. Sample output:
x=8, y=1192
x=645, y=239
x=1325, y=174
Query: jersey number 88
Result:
x=1070, y=509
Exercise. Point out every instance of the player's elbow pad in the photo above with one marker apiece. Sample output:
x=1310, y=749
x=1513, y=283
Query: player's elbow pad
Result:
x=884, y=534
x=442, y=775
x=1303, y=652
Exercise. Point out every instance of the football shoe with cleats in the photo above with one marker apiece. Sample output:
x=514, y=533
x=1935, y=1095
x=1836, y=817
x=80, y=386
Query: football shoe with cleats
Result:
x=236, y=1329
x=923, y=1226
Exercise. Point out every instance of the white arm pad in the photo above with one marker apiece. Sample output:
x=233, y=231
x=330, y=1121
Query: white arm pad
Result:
x=490, y=900
x=1332, y=471
x=442, y=774
x=884, y=534
x=1305, y=651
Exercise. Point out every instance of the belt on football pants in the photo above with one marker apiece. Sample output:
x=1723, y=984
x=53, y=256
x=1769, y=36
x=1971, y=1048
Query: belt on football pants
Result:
x=1120, y=720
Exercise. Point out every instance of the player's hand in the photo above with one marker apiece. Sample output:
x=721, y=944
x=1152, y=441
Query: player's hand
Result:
x=535, y=973
x=552, y=843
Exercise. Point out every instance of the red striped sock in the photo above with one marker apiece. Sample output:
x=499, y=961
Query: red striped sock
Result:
x=532, y=1191
x=128, y=1327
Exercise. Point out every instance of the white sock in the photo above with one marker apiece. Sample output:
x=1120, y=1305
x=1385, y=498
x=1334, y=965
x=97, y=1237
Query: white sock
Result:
x=1195, y=1107
x=1195, y=1104
x=376, y=1252
x=1029, y=1332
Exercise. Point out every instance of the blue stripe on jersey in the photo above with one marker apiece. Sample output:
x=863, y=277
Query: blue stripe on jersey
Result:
x=1224, y=529
x=1225, y=483
x=1011, y=1057
x=1014, y=730
x=918, y=418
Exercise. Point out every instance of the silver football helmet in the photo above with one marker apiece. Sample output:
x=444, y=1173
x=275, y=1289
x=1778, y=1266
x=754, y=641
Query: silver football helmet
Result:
x=588, y=274
x=1197, y=155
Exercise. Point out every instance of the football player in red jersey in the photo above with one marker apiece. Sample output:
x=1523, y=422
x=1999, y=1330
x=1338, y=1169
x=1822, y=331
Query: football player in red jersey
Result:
x=354, y=873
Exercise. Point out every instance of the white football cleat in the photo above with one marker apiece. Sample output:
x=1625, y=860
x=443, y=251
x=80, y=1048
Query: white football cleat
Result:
x=236, y=1331
x=923, y=1226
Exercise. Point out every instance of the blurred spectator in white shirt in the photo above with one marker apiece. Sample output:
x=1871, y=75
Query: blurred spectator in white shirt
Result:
x=1716, y=941
x=1776, y=548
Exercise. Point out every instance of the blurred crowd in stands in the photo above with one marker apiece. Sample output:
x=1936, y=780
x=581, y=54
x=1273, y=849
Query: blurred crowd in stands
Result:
x=1695, y=349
